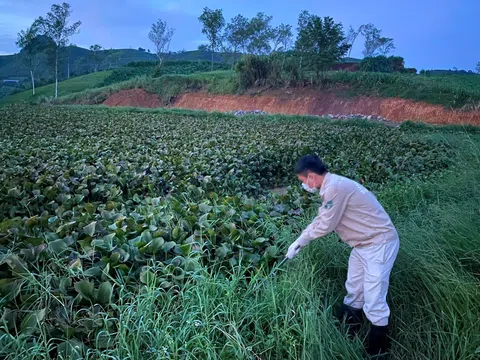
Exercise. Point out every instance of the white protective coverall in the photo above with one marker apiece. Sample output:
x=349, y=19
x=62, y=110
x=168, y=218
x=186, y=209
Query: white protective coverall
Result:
x=355, y=214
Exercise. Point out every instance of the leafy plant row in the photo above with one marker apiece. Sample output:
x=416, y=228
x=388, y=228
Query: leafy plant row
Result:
x=98, y=202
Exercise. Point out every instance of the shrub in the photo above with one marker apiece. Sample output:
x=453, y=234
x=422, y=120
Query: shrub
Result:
x=142, y=64
x=127, y=73
x=175, y=67
x=260, y=70
x=252, y=69
x=151, y=68
x=382, y=64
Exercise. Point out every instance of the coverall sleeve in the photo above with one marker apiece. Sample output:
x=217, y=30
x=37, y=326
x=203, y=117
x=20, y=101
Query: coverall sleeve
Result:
x=329, y=215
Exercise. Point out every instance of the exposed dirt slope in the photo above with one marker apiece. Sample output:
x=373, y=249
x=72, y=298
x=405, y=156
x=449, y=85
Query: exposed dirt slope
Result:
x=305, y=102
x=133, y=97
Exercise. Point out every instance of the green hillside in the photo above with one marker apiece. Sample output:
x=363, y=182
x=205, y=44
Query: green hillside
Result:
x=66, y=87
x=80, y=61
x=12, y=67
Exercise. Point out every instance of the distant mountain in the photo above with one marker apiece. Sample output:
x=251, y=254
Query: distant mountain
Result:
x=81, y=61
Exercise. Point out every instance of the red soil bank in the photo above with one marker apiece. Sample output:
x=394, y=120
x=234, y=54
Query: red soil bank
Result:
x=304, y=102
x=133, y=97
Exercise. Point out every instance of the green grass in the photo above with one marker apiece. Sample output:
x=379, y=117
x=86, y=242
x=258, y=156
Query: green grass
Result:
x=65, y=88
x=166, y=87
x=150, y=68
x=434, y=294
x=452, y=91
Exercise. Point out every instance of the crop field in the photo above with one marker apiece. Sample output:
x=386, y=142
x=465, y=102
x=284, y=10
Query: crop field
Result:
x=141, y=234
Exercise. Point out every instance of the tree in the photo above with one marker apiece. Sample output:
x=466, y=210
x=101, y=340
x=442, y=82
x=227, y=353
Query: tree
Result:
x=301, y=43
x=111, y=57
x=351, y=36
x=260, y=34
x=67, y=51
x=321, y=40
x=282, y=37
x=161, y=36
x=375, y=44
x=202, y=47
x=213, y=23
x=236, y=35
x=385, y=46
x=371, y=35
x=26, y=40
x=97, y=56
x=477, y=68
x=55, y=26
x=82, y=65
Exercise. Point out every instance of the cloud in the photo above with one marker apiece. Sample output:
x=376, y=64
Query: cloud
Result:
x=188, y=7
x=199, y=42
x=11, y=23
x=173, y=6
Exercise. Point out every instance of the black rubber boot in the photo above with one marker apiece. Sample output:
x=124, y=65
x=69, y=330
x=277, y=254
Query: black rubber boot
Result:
x=378, y=342
x=353, y=319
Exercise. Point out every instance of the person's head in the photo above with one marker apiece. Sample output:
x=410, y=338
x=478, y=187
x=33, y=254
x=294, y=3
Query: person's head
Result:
x=311, y=171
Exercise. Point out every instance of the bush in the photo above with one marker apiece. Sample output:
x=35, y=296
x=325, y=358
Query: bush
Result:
x=127, y=73
x=6, y=90
x=185, y=67
x=151, y=68
x=260, y=70
x=382, y=64
x=252, y=69
x=142, y=64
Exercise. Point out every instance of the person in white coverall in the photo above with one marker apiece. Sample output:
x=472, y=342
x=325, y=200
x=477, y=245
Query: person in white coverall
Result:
x=355, y=214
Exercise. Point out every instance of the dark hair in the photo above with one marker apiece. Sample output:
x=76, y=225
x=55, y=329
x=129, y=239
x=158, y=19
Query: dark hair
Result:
x=310, y=163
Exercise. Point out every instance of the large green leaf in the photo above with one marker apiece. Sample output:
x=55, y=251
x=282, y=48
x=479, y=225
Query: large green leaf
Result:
x=105, y=292
x=71, y=350
x=169, y=246
x=156, y=244
x=65, y=284
x=32, y=321
x=31, y=254
x=271, y=252
x=186, y=249
x=86, y=289
x=17, y=265
x=94, y=271
x=148, y=277
x=90, y=228
x=205, y=208
x=9, y=317
x=75, y=265
x=57, y=246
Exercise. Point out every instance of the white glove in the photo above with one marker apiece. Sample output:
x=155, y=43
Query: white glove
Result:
x=294, y=249
x=296, y=246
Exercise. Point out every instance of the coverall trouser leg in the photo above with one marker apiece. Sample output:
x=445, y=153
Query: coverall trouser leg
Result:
x=368, y=280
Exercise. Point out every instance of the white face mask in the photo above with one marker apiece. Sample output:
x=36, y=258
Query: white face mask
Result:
x=308, y=188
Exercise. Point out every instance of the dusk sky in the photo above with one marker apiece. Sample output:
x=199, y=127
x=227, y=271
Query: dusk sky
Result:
x=429, y=34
